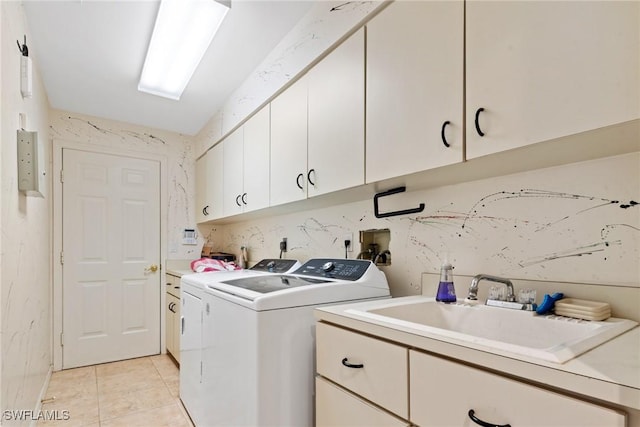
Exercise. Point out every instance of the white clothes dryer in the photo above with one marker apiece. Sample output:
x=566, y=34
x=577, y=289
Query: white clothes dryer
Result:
x=192, y=288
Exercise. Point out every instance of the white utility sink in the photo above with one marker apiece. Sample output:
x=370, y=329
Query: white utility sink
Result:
x=553, y=338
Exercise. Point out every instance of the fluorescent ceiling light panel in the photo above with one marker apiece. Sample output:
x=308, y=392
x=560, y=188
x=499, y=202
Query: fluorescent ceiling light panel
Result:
x=182, y=33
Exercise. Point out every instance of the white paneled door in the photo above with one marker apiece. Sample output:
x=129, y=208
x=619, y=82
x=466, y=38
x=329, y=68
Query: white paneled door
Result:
x=111, y=258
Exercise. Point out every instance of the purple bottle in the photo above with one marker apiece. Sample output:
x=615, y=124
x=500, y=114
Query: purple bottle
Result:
x=446, y=290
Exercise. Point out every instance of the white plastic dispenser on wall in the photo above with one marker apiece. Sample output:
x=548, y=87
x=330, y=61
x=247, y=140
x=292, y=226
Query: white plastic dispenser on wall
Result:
x=25, y=70
x=446, y=290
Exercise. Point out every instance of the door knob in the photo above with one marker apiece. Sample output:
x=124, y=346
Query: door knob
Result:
x=151, y=269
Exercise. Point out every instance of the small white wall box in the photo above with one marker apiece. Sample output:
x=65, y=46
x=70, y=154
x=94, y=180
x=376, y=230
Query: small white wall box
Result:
x=28, y=165
x=189, y=236
x=25, y=77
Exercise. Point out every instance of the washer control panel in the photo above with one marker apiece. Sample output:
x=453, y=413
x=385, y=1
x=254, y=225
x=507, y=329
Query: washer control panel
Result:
x=344, y=269
x=275, y=265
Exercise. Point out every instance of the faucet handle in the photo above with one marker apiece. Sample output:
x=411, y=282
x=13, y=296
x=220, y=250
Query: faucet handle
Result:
x=497, y=293
x=527, y=296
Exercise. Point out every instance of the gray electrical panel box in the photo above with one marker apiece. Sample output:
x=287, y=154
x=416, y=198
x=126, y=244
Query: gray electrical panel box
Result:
x=28, y=163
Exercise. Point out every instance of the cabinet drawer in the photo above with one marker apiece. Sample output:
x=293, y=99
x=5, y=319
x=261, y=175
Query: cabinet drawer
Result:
x=337, y=407
x=383, y=377
x=173, y=285
x=443, y=392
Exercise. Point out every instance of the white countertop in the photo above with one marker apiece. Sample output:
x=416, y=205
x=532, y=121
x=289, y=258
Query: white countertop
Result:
x=179, y=273
x=609, y=372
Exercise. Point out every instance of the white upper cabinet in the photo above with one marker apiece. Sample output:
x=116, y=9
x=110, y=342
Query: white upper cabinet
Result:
x=289, y=144
x=201, y=189
x=209, y=185
x=414, y=88
x=233, y=149
x=317, y=127
x=540, y=70
x=246, y=166
x=214, y=182
x=256, y=161
x=336, y=119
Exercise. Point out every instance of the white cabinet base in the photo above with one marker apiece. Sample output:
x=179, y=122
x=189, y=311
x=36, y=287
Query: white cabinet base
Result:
x=443, y=392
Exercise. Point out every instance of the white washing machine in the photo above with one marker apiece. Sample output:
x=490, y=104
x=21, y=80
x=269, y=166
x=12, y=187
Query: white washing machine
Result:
x=259, y=340
x=191, y=293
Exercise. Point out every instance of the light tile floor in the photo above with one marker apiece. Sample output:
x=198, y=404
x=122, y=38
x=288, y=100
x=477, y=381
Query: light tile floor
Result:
x=136, y=392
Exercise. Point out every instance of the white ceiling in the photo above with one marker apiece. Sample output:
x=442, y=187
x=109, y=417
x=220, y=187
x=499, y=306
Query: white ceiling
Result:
x=90, y=54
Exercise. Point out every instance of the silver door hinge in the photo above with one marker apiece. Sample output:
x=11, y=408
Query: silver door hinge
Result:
x=61, y=257
x=62, y=175
x=61, y=339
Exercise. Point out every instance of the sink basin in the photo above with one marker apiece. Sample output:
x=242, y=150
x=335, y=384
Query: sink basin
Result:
x=552, y=338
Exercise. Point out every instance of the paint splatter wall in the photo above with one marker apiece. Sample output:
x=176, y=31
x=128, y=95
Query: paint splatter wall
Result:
x=578, y=223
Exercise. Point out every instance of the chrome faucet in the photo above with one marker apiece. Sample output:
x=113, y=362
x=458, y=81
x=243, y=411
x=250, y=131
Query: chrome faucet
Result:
x=473, y=289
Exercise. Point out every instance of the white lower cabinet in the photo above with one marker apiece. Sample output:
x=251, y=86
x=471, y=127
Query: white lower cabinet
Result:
x=173, y=326
x=363, y=380
x=172, y=317
x=443, y=393
x=341, y=408
x=374, y=369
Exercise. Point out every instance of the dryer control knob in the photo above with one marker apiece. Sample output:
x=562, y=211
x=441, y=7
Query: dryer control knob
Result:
x=328, y=266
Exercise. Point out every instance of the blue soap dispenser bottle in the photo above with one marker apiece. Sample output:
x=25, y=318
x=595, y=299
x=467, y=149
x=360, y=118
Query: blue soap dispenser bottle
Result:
x=446, y=290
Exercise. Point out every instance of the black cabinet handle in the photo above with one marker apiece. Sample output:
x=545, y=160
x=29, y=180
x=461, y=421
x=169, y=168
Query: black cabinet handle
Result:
x=309, y=176
x=478, y=111
x=244, y=198
x=484, y=423
x=444, y=138
x=351, y=365
x=298, y=181
x=238, y=200
x=205, y=210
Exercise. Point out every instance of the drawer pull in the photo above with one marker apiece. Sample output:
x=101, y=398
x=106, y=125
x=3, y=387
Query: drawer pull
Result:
x=351, y=365
x=483, y=423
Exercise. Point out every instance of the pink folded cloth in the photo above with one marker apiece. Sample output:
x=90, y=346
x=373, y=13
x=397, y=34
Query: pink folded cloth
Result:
x=206, y=264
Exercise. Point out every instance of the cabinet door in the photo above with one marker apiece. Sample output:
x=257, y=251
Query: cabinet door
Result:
x=289, y=144
x=214, y=182
x=414, y=88
x=443, y=392
x=337, y=407
x=256, y=161
x=336, y=119
x=378, y=371
x=232, y=151
x=542, y=70
x=169, y=323
x=176, y=329
x=209, y=185
x=202, y=206
x=173, y=326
